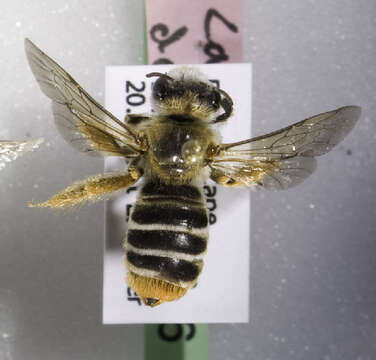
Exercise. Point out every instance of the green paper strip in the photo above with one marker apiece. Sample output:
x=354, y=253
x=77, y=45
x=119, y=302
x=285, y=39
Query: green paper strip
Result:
x=176, y=342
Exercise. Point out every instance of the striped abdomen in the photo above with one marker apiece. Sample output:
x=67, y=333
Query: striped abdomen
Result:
x=167, y=234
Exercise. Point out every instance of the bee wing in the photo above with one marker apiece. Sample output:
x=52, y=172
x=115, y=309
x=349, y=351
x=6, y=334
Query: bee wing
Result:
x=11, y=150
x=84, y=123
x=284, y=158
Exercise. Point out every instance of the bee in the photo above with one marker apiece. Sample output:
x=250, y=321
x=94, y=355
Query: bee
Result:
x=11, y=150
x=175, y=150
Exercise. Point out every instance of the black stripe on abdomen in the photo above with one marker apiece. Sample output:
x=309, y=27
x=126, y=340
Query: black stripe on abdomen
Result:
x=178, y=241
x=153, y=188
x=170, y=214
x=170, y=268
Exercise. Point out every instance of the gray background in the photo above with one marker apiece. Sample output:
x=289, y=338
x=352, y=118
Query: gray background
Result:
x=313, y=288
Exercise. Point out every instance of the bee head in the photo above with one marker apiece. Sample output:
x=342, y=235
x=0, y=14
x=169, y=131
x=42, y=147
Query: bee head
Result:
x=185, y=93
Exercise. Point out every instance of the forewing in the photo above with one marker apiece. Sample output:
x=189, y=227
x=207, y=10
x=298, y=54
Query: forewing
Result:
x=84, y=123
x=11, y=150
x=284, y=158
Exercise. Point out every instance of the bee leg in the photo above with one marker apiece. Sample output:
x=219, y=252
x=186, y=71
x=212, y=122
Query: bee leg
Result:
x=224, y=180
x=92, y=189
x=227, y=105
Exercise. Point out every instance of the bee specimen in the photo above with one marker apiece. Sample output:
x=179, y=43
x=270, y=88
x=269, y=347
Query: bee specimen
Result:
x=11, y=150
x=175, y=150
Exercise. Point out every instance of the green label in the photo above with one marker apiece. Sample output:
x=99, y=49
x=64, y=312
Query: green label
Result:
x=176, y=342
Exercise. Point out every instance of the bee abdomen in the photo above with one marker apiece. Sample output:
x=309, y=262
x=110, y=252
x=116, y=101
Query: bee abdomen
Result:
x=167, y=233
x=154, y=189
x=170, y=214
x=167, y=240
x=169, y=268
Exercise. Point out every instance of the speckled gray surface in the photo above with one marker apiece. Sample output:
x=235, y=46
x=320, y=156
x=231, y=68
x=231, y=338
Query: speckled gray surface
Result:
x=313, y=247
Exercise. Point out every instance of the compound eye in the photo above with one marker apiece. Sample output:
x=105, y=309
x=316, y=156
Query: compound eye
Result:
x=160, y=89
x=215, y=99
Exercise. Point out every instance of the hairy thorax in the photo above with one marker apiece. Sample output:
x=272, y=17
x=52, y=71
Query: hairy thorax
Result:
x=177, y=148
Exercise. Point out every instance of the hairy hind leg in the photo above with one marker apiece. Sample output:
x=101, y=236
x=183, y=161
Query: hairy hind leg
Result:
x=91, y=189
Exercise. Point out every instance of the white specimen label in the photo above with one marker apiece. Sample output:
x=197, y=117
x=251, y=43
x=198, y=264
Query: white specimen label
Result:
x=222, y=292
